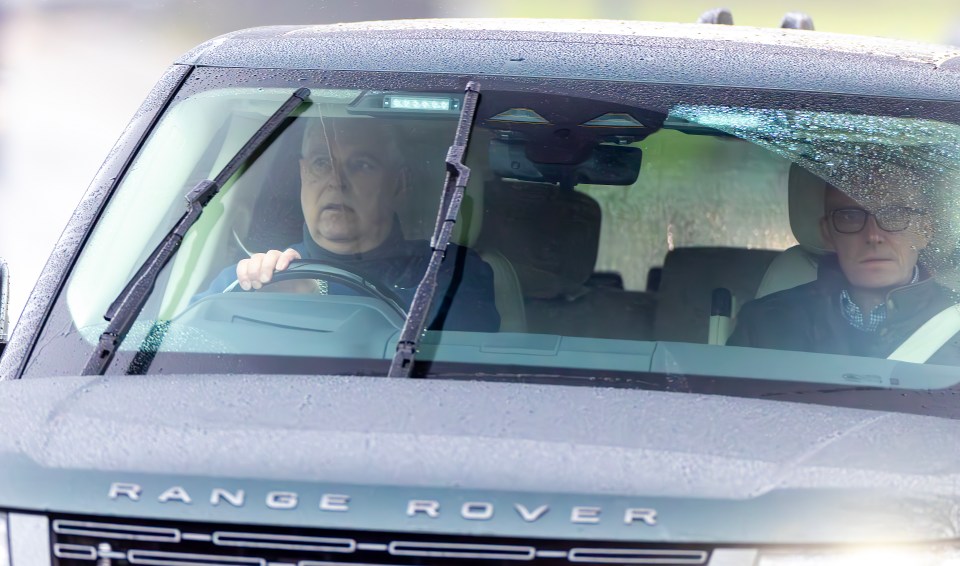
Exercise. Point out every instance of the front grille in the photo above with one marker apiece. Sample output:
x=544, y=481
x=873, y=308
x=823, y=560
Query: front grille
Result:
x=78, y=541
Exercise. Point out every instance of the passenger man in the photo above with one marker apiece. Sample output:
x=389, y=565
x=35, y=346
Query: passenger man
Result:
x=870, y=295
x=352, y=179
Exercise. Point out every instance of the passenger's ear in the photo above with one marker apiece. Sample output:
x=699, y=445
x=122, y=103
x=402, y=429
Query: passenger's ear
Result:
x=826, y=235
x=925, y=231
x=403, y=181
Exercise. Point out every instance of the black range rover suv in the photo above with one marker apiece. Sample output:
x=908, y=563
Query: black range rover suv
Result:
x=519, y=249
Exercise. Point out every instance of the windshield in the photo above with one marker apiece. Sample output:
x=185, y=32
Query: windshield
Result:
x=673, y=237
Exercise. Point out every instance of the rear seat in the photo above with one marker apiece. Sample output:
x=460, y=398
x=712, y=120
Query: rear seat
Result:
x=687, y=282
x=552, y=236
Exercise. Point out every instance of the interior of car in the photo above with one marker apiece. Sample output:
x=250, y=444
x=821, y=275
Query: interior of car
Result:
x=634, y=262
x=607, y=226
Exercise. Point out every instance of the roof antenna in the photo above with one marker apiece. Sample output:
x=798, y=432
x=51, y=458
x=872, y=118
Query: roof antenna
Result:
x=716, y=16
x=797, y=20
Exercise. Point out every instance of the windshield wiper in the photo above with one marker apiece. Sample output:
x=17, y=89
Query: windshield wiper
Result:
x=458, y=174
x=124, y=310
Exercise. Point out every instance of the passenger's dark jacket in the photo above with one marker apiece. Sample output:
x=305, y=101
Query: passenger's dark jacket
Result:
x=465, y=294
x=808, y=318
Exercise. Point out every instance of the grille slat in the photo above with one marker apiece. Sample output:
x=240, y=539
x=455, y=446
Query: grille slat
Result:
x=75, y=551
x=284, y=542
x=116, y=531
x=461, y=550
x=636, y=556
x=159, y=558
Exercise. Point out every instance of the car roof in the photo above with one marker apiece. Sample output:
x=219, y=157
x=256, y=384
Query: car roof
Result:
x=649, y=52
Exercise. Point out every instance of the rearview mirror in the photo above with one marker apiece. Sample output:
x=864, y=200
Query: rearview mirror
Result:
x=603, y=165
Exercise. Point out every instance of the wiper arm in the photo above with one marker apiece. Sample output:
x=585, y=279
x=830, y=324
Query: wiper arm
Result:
x=456, y=180
x=124, y=310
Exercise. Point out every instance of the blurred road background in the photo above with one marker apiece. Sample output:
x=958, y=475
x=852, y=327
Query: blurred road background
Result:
x=72, y=73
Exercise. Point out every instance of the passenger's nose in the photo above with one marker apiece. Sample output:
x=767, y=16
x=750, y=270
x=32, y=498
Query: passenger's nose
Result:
x=872, y=230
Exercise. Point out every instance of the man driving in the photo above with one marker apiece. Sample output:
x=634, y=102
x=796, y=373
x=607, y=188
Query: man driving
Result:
x=352, y=179
x=871, y=294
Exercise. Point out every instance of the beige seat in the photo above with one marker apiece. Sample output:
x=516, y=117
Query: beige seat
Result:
x=551, y=236
x=798, y=265
x=508, y=293
x=687, y=282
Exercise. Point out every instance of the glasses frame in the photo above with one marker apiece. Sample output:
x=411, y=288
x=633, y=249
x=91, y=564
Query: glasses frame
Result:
x=880, y=216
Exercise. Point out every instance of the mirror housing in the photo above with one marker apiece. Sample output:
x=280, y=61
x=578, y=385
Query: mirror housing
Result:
x=596, y=165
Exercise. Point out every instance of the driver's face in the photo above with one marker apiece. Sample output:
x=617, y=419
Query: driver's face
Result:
x=349, y=186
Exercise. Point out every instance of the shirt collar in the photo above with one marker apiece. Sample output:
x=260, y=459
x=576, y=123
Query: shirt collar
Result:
x=853, y=315
x=872, y=321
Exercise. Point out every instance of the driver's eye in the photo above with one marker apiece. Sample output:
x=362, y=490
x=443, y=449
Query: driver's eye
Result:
x=362, y=166
x=320, y=164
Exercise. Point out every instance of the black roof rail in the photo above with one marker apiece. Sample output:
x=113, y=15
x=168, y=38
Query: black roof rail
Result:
x=796, y=20
x=716, y=16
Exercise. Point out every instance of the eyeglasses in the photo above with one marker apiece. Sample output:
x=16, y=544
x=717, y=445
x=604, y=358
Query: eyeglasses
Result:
x=889, y=219
x=322, y=166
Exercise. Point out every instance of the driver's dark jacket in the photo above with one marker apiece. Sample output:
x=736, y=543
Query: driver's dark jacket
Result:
x=807, y=318
x=465, y=294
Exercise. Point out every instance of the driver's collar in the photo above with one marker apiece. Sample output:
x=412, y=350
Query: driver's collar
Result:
x=392, y=246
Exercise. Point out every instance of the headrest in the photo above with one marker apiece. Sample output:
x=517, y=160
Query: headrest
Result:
x=805, y=193
x=426, y=158
x=550, y=235
x=275, y=216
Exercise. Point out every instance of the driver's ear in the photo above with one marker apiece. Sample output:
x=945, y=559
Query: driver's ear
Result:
x=825, y=234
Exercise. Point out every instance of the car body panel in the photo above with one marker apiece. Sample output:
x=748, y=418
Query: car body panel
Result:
x=694, y=459
x=656, y=53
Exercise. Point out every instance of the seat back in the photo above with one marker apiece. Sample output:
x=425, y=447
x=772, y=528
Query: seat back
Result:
x=798, y=264
x=552, y=237
x=686, y=287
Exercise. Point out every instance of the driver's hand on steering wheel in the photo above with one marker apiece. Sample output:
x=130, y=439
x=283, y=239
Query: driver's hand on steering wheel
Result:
x=253, y=273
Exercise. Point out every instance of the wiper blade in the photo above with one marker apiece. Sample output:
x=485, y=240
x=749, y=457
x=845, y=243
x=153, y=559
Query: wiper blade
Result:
x=124, y=310
x=458, y=174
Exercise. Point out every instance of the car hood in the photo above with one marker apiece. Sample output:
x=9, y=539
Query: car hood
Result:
x=714, y=468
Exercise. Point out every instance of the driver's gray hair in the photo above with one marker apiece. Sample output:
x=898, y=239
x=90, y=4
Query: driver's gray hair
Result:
x=387, y=133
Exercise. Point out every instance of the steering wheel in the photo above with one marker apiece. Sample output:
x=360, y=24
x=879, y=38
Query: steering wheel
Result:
x=322, y=270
